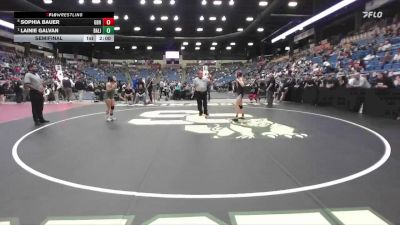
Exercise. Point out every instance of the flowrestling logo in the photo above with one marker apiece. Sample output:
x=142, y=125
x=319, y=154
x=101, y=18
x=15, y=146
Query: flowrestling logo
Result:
x=372, y=14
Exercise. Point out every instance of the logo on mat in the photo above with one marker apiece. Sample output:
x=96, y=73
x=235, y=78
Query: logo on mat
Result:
x=219, y=125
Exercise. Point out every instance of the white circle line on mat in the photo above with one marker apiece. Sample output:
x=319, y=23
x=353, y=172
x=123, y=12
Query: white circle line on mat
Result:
x=351, y=177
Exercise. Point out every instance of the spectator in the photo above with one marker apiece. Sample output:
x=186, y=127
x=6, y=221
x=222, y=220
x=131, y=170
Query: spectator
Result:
x=140, y=93
x=385, y=47
x=396, y=57
x=80, y=85
x=356, y=81
x=2, y=92
x=271, y=88
x=330, y=82
x=67, y=87
x=56, y=86
x=342, y=80
x=128, y=94
x=308, y=82
x=149, y=87
x=382, y=81
x=18, y=90
x=254, y=91
x=371, y=55
x=386, y=59
x=396, y=82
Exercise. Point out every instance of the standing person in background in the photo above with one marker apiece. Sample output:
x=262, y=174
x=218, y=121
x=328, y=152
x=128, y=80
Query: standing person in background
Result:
x=18, y=89
x=2, y=93
x=67, y=86
x=149, y=87
x=56, y=90
x=111, y=87
x=161, y=88
x=200, y=84
x=35, y=84
x=80, y=85
x=271, y=85
x=209, y=88
x=240, y=94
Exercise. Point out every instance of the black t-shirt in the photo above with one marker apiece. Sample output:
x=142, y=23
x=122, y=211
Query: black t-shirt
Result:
x=385, y=81
x=2, y=90
x=79, y=85
x=271, y=84
x=308, y=82
x=254, y=88
x=150, y=86
x=318, y=82
x=141, y=89
x=67, y=83
x=333, y=82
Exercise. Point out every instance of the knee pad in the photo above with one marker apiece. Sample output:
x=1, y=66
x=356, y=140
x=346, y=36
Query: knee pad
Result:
x=112, y=107
x=240, y=107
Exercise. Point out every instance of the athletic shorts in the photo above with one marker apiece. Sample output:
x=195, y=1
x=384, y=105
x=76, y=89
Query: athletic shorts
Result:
x=110, y=95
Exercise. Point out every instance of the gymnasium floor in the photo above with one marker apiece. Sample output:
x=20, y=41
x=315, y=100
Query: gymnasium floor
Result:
x=163, y=164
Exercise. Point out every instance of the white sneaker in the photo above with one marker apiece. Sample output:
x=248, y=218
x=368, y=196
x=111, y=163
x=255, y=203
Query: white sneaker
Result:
x=113, y=118
x=108, y=119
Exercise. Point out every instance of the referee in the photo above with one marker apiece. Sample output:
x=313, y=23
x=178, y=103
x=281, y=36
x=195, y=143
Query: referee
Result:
x=200, y=84
x=35, y=84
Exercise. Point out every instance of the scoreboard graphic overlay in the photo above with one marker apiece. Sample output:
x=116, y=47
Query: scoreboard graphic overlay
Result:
x=64, y=27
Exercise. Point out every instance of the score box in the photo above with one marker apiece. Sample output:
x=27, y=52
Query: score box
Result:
x=108, y=22
x=108, y=30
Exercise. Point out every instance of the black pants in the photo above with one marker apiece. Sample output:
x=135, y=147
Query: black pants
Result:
x=150, y=94
x=201, y=101
x=37, y=101
x=18, y=96
x=270, y=98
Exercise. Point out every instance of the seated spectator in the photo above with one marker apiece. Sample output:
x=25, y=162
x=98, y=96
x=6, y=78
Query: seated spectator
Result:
x=382, y=81
x=396, y=57
x=330, y=82
x=386, y=46
x=358, y=81
x=387, y=58
x=396, y=82
x=308, y=82
x=327, y=68
x=370, y=56
x=342, y=80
